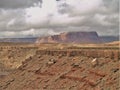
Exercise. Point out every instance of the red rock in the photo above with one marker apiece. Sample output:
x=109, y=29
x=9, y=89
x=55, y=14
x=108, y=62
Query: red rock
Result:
x=71, y=37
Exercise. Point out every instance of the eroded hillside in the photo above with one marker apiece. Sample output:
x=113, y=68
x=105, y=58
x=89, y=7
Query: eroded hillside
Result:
x=12, y=56
x=67, y=69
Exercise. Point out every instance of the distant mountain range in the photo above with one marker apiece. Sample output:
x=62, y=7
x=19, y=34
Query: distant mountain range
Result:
x=22, y=40
x=67, y=37
x=106, y=39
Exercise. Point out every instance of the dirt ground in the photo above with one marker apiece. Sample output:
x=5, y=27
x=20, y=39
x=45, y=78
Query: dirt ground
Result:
x=61, y=67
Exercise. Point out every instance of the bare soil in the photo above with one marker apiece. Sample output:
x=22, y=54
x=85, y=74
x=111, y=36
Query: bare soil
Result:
x=60, y=67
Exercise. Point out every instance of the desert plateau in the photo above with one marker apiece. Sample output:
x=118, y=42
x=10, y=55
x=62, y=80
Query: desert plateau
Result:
x=59, y=66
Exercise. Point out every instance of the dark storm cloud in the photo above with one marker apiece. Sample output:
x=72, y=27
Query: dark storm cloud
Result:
x=13, y=4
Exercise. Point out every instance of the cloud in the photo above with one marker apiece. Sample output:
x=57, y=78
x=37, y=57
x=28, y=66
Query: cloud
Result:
x=28, y=33
x=36, y=18
x=13, y=4
x=85, y=6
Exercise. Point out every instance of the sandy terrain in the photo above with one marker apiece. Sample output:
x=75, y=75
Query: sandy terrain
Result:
x=60, y=67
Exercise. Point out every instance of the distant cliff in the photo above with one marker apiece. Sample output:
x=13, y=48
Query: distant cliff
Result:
x=71, y=37
x=68, y=37
x=106, y=39
x=20, y=40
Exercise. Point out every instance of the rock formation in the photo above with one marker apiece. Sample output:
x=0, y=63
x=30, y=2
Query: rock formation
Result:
x=71, y=37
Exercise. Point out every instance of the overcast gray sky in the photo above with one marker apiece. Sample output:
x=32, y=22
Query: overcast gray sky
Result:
x=26, y=18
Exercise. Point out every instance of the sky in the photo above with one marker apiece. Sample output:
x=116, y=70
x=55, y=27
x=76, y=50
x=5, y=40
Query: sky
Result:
x=36, y=18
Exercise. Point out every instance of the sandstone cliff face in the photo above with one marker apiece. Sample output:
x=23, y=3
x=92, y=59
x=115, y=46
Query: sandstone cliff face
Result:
x=71, y=37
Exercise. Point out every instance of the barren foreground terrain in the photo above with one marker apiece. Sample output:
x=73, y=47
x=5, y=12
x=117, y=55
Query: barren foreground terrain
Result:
x=60, y=66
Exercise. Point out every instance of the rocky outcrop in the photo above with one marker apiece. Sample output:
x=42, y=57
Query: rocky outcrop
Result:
x=112, y=54
x=46, y=70
x=71, y=37
x=12, y=56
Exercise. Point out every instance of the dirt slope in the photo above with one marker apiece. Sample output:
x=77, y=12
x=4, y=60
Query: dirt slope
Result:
x=61, y=72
